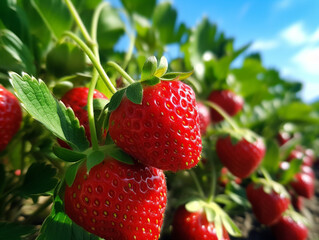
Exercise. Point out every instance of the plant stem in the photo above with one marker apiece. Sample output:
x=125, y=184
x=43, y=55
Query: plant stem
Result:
x=266, y=174
x=95, y=20
x=198, y=186
x=223, y=113
x=121, y=71
x=79, y=22
x=93, y=59
x=213, y=185
x=94, y=140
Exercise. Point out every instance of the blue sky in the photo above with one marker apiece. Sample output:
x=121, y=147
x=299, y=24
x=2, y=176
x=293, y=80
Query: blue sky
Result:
x=286, y=32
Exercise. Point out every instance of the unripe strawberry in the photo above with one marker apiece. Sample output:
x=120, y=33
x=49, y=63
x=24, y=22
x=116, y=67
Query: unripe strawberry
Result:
x=10, y=117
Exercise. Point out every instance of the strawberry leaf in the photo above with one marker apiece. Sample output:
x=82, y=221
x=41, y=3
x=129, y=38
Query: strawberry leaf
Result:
x=134, y=93
x=288, y=175
x=176, y=76
x=152, y=81
x=39, y=179
x=218, y=227
x=149, y=68
x=59, y=226
x=71, y=172
x=116, y=100
x=41, y=105
x=119, y=155
x=272, y=158
x=230, y=226
x=162, y=67
x=94, y=158
x=210, y=214
x=67, y=155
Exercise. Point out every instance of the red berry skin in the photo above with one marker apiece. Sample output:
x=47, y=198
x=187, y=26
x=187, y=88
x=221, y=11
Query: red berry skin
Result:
x=163, y=131
x=242, y=158
x=194, y=226
x=304, y=185
x=204, y=117
x=76, y=99
x=288, y=229
x=228, y=101
x=299, y=154
x=283, y=137
x=296, y=201
x=10, y=117
x=118, y=201
x=267, y=208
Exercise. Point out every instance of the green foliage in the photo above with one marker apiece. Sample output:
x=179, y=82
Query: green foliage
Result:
x=14, y=231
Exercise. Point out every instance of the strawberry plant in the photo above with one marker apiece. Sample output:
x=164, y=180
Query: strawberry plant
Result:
x=102, y=143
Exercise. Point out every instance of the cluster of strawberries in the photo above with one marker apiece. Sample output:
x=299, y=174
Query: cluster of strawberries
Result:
x=121, y=201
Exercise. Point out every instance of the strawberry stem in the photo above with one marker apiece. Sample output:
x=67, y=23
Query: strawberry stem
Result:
x=223, y=113
x=213, y=185
x=121, y=71
x=93, y=59
x=79, y=22
x=198, y=186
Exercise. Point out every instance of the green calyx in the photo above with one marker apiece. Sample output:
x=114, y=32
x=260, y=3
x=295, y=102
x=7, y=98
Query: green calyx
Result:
x=214, y=214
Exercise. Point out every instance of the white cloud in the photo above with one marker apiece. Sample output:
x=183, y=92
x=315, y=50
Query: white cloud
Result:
x=315, y=36
x=283, y=4
x=310, y=91
x=295, y=34
x=308, y=59
x=261, y=45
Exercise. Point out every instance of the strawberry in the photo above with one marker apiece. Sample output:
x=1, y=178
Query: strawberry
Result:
x=163, y=131
x=303, y=184
x=296, y=201
x=228, y=101
x=204, y=117
x=267, y=207
x=241, y=158
x=283, y=137
x=76, y=99
x=10, y=117
x=288, y=229
x=299, y=154
x=194, y=226
x=226, y=177
x=118, y=201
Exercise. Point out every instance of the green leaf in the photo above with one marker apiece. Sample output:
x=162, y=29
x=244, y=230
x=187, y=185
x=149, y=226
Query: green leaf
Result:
x=176, y=76
x=116, y=100
x=149, y=68
x=152, y=81
x=194, y=206
x=134, y=93
x=42, y=106
x=15, y=56
x=65, y=59
x=15, y=231
x=110, y=28
x=119, y=155
x=55, y=15
x=210, y=214
x=230, y=226
x=71, y=173
x=142, y=7
x=272, y=158
x=67, y=154
x=59, y=226
x=94, y=158
x=39, y=179
x=164, y=19
x=162, y=67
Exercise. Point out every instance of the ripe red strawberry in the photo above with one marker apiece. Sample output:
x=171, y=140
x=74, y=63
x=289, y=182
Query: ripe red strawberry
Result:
x=283, y=137
x=304, y=185
x=296, y=201
x=242, y=158
x=194, y=226
x=10, y=117
x=288, y=229
x=163, y=131
x=204, y=117
x=228, y=101
x=267, y=207
x=118, y=201
x=76, y=99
